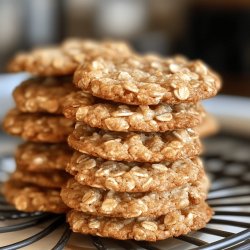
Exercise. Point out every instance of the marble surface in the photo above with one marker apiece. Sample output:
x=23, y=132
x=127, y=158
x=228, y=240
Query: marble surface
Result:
x=232, y=112
x=7, y=83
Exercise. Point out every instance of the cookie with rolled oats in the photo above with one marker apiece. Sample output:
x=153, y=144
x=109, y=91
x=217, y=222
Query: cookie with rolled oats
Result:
x=36, y=157
x=31, y=198
x=43, y=94
x=134, y=176
x=139, y=147
x=63, y=59
x=208, y=127
x=100, y=202
x=173, y=224
x=82, y=50
x=38, y=127
x=51, y=179
x=148, y=80
x=46, y=61
x=118, y=117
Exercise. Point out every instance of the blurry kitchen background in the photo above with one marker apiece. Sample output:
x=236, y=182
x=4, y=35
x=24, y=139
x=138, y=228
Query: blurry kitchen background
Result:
x=217, y=31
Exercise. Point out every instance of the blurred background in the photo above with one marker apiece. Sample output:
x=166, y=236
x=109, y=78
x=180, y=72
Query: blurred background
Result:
x=217, y=31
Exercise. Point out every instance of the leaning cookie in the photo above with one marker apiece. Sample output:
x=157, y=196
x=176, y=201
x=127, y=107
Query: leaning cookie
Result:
x=81, y=106
x=37, y=157
x=43, y=94
x=134, y=176
x=63, y=59
x=148, y=80
x=172, y=224
x=139, y=147
x=52, y=179
x=129, y=205
x=31, y=198
x=38, y=127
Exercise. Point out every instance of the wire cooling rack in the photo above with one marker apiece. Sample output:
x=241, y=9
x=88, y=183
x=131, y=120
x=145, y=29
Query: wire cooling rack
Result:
x=227, y=162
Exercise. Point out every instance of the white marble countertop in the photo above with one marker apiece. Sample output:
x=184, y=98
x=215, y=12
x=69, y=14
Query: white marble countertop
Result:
x=232, y=112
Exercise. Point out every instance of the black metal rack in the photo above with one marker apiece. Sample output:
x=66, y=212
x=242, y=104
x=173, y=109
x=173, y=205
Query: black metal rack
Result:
x=228, y=164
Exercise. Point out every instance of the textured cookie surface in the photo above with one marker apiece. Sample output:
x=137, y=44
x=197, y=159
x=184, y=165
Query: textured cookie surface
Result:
x=115, y=117
x=43, y=94
x=128, y=205
x=31, y=198
x=131, y=176
x=64, y=58
x=38, y=157
x=139, y=147
x=38, y=127
x=148, y=80
x=172, y=224
x=52, y=179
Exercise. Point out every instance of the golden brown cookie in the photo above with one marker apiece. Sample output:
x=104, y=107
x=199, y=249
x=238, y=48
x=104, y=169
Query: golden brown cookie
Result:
x=38, y=157
x=38, y=127
x=148, y=80
x=100, y=202
x=81, y=106
x=172, y=224
x=52, y=179
x=43, y=94
x=64, y=58
x=208, y=127
x=31, y=198
x=82, y=50
x=139, y=147
x=133, y=176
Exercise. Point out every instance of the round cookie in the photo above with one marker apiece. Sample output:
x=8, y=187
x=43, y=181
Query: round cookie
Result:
x=52, y=179
x=81, y=50
x=148, y=80
x=43, y=94
x=129, y=205
x=173, y=224
x=46, y=61
x=38, y=127
x=208, y=127
x=63, y=59
x=138, y=147
x=31, y=198
x=81, y=106
x=38, y=157
x=133, y=176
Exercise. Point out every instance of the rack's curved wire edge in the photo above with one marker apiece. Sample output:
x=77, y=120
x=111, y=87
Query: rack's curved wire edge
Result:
x=240, y=241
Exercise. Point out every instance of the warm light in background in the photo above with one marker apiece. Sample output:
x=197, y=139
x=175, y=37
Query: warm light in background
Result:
x=215, y=31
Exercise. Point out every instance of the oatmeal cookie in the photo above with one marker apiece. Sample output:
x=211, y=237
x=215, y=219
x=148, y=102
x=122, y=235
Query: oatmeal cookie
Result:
x=63, y=59
x=36, y=157
x=124, y=118
x=173, y=224
x=208, y=127
x=52, y=179
x=148, y=80
x=139, y=147
x=133, y=176
x=38, y=127
x=43, y=94
x=31, y=198
x=129, y=205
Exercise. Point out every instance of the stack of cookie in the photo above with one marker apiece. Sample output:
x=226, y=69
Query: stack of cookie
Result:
x=136, y=171
x=38, y=119
x=41, y=160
